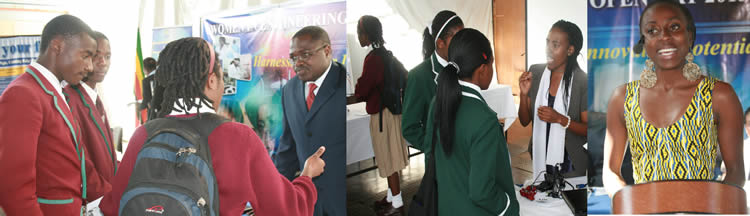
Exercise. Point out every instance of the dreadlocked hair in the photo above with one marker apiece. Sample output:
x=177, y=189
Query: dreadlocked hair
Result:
x=183, y=73
x=575, y=39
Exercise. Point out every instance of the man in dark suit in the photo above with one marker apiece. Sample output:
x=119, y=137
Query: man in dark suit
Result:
x=314, y=105
x=148, y=82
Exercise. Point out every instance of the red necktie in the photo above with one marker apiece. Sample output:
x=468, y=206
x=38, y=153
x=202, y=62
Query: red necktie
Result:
x=311, y=95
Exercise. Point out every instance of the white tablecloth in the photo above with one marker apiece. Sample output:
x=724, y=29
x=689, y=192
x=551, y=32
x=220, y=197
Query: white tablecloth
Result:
x=550, y=207
x=359, y=143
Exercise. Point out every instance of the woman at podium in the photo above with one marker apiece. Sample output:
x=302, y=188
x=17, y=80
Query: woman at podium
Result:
x=675, y=119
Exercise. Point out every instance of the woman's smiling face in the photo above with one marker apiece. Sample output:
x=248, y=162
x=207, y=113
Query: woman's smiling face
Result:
x=666, y=38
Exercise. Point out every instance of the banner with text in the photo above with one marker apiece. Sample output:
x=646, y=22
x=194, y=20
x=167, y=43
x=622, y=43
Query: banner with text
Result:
x=722, y=45
x=17, y=52
x=253, y=48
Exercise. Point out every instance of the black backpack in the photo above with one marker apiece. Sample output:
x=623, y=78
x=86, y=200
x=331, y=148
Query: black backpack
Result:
x=394, y=83
x=173, y=173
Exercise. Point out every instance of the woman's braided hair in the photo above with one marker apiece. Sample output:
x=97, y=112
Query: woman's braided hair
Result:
x=183, y=73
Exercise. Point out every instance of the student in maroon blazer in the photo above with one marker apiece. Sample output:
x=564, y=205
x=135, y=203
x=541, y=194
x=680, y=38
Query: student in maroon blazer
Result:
x=190, y=79
x=43, y=163
x=87, y=107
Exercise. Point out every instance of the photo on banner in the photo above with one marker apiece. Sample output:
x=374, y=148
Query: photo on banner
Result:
x=16, y=52
x=253, y=47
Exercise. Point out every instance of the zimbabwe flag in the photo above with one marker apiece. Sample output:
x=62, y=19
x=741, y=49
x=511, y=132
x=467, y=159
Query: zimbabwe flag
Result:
x=141, y=115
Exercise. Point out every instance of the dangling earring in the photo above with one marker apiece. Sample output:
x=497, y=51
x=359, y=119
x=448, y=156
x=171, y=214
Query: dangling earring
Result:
x=648, y=75
x=691, y=71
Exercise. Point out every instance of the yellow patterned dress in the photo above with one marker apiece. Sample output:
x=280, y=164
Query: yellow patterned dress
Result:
x=684, y=150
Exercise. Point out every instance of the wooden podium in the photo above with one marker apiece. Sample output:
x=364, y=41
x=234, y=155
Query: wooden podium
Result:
x=680, y=197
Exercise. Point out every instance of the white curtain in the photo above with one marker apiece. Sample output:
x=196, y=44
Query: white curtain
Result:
x=418, y=13
x=403, y=25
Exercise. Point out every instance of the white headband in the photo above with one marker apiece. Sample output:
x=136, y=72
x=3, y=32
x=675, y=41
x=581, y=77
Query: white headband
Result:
x=441, y=28
x=458, y=70
x=429, y=27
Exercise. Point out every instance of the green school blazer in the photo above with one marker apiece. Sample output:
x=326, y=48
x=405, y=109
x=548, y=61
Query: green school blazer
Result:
x=475, y=179
x=420, y=89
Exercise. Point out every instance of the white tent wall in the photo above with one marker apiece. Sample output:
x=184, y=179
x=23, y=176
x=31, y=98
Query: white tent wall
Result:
x=404, y=22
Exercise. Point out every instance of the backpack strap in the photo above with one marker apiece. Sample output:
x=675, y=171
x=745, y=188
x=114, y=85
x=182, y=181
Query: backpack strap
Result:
x=194, y=129
x=384, y=54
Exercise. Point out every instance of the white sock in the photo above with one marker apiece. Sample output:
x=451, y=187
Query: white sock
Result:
x=397, y=201
x=389, y=198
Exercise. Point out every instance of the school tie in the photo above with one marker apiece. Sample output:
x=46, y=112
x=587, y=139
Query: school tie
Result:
x=100, y=108
x=311, y=95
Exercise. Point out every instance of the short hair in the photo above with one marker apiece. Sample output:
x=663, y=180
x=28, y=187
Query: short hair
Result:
x=149, y=64
x=64, y=25
x=98, y=35
x=315, y=32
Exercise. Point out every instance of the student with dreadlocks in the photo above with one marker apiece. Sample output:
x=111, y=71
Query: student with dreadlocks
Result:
x=471, y=155
x=422, y=79
x=191, y=82
x=45, y=170
x=390, y=149
x=87, y=107
x=554, y=99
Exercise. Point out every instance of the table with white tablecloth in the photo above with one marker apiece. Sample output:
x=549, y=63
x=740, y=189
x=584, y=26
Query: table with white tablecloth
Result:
x=551, y=206
x=359, y=143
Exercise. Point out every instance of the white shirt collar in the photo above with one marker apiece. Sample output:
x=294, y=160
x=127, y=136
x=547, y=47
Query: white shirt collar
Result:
x=470, y=85
x=51, y=78
x=90, y=91
x=193, y=110
x=442, y=61
x=471, y=94
x=318, y=82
